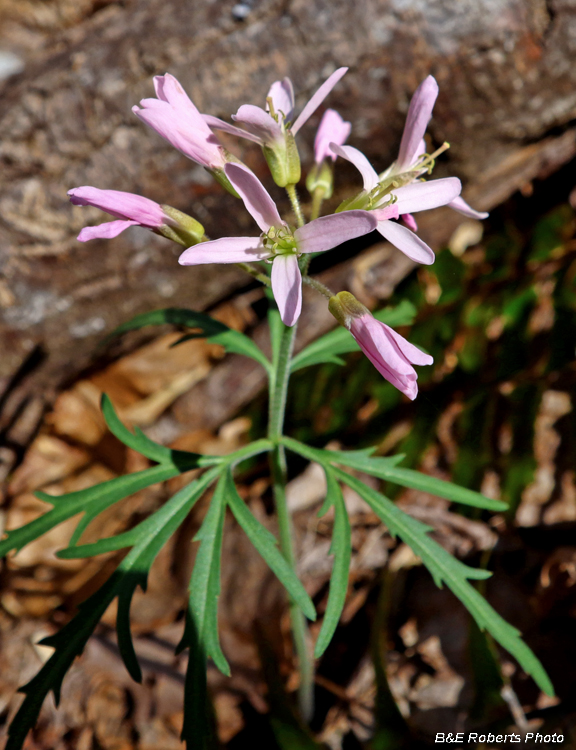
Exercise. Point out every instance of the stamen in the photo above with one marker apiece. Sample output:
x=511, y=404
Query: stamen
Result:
x=429, y=160
x=271, y=110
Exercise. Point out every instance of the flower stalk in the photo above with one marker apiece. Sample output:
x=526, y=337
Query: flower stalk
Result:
x=283, y=337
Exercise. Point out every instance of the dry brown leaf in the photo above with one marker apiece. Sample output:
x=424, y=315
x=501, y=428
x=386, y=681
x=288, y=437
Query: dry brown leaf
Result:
x=554, y=405
x=77, y=414
x=47, y=460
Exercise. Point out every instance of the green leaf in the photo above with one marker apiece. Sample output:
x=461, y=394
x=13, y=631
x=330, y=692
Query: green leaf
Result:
x=446, y=569
x=385, y=468
x=131, y=537
x=138, y=441
x=205, y=580
x=198, y=729
x=91, y=501
x=340, y=341
x=211, y=329
x=70, y=641
x=435, y=486
x=267, y=546
x=341, y=548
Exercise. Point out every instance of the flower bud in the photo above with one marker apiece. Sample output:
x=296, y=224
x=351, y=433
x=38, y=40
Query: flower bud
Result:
x=389, y=352
x=321, y=179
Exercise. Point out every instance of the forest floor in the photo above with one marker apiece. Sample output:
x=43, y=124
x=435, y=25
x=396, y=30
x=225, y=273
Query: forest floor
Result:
x=495, y=413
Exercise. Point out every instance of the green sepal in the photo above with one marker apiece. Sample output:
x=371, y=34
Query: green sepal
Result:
x=283, y=160
x=220, y=176
x=184, y=230
x=360, y=201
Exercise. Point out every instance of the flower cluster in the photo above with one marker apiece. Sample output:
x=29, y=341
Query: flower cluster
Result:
x=387, y=202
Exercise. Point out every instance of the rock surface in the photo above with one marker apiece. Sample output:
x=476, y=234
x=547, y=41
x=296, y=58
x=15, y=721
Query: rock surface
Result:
x=508, y=94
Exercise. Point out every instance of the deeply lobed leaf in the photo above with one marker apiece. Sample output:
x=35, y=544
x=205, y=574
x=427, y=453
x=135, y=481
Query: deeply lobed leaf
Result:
x=386, y=468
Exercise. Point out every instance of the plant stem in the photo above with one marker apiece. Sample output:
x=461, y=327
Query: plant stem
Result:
x=255, y=273
x=317, y=199
x=293, y=195
x=318, y=285
x=282, y=355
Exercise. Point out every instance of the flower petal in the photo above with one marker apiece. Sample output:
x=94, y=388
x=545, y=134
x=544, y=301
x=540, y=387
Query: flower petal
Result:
x=332, y=129
x=410, y=222
x=412, y=353
x=287, y=287
x=329, y=231
x=259, y=123
x=417, y=119
x=388, y=212
x=105, y=231
x=169, y=89
x=217, y=124
x=406, y=241
x=421, y=196
x=460, y=205
x=255, y=196
x=317, y=99
x=369, y=174
x=190, y=135
x=122, y=205
x=381, y=347
x=225, y=250
x=282, y=95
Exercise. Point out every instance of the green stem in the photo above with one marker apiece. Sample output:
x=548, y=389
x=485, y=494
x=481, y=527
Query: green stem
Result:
x=256, y=274
x=317, y=199
x=319, y=286
x=292, y=194
x=282, y=354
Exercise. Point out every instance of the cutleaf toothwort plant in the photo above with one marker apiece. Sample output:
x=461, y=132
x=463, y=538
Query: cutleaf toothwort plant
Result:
x=278, y=256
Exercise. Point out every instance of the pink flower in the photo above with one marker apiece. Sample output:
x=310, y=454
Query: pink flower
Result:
x=389, y=352
x=131, y=210
x=413, y=145
x=268, y=127
x=417, y=196
x=176, y=119
x=278, y=243
x=332, y=129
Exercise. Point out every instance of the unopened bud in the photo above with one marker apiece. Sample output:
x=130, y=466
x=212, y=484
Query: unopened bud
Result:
x=181, y=228
x=321, y=178
x=345, y=307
